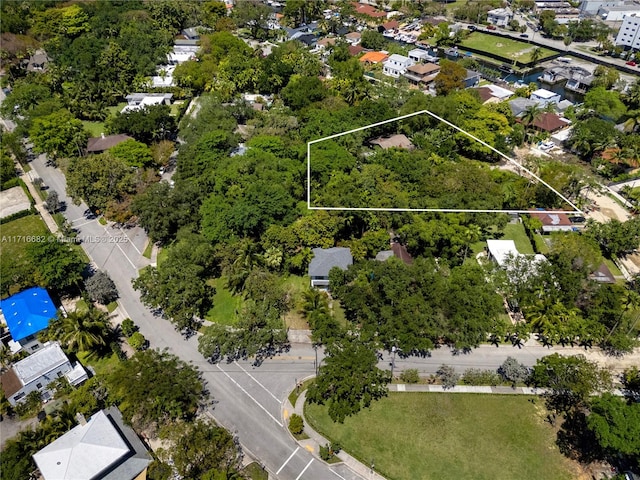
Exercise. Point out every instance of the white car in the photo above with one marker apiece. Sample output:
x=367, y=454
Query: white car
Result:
x=546, y=146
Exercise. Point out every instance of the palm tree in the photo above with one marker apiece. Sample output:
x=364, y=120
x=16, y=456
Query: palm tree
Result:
x=82, y=331
x=536, y=55
x=530, y=115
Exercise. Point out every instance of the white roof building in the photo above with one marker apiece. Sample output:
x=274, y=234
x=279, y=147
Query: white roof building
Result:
x=103, y=448
x=502, y=250
x=543, y=96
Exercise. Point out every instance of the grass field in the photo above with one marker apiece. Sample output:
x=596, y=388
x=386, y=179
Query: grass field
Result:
x=506, y=48
x=449, y=437
x=14, y=245
x=225, y=304
x=515, y=232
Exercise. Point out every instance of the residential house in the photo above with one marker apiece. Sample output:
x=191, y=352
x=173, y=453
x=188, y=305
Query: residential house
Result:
x=182, y=53
x=629, y=33
x=138, y=101
x=389, y=26
x=543, y=97
x=374, y=57
x=368, y=11
x=501, y=251
x=353, y=38
x=101, y=448
x=26, y=314
x=550, y=122
x=355, y=50
x=580, y=80
x=553, y=222
x=164, y=77
x=105, y=142
x=394, y=141
x=500, y=17
x=37, y=371
x=396, y=65
x=422, y=74
x=193, y=33
x=37, y=62
x=398, y=250
x=472, y=79
x=603, y=275
x=493, y=93
x=324, y=260
x=325, y=43
x=520, y=105
x=419, y=55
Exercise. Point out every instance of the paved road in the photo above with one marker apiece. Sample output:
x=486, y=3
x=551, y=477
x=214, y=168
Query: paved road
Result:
x=249, y=401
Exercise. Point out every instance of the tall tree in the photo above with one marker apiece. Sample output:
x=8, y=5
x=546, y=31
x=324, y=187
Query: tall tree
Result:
x=59, y=135
x=349, y=380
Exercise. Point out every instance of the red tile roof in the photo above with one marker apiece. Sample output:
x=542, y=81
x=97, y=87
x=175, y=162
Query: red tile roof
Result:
x=368, y=10
x=355, y=50
x=552, y=219
x=100, y=144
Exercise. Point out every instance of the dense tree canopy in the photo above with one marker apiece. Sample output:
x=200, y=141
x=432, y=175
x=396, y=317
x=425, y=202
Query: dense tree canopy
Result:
x=349, y=380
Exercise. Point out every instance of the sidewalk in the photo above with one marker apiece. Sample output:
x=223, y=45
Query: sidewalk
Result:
x=44, y=214
x=312, y=444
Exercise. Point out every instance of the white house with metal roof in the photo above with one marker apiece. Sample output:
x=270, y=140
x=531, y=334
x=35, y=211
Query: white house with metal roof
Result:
x=396, y=65
x=38, y=370
x=102, y=448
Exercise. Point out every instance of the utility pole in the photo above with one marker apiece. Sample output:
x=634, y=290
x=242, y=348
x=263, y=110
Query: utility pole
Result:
x=394, y=349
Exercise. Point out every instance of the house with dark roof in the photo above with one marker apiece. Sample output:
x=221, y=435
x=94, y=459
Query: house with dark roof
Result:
x=602, y=275
x=493, y=93
x=324, y=259
x=105, y=142
x=398, y=251
x=389, y=26
x=101, y=448
x=27, y=313
x=549, y=122
x=355, y=50
x=553, y=222
x=37, y=371
x=471, y=79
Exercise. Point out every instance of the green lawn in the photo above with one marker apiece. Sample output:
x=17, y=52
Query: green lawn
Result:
x=225, y=304
x=506, y=48
x=13, y=245
x=101, y=365
x=95, y=129
x=449, y=436
x=515, y=232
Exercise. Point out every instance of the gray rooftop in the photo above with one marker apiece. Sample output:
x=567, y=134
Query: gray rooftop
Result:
x=325, y=259
x=519, y=105
x=41, y=361
x=103, y=448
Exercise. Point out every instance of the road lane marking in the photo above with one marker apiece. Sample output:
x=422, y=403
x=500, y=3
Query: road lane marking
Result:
x=130, y=242
x=249, y=395
x=286, y=413
x=338, y=475
x=83, y=224
x=254, y=379
x=304, y=469
x=287, y=460
x=310, y=448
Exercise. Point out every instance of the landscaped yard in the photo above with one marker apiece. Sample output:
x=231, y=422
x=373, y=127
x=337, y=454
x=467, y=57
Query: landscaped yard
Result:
x=515, y=232
x=450, y=436
x=506, y=48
